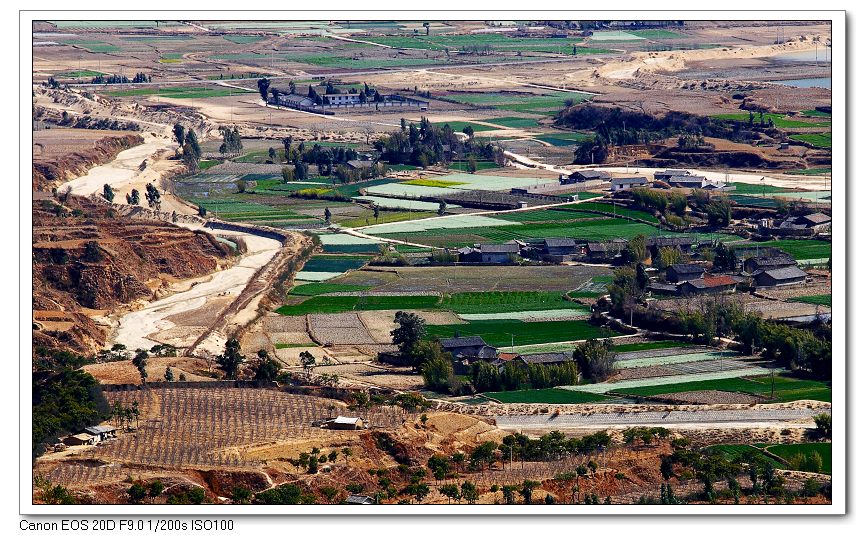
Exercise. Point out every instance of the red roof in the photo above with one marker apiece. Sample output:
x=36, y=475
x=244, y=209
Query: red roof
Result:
x=720, y=280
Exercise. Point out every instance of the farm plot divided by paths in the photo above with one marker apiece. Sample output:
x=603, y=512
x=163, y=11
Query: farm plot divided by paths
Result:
x=206, y=427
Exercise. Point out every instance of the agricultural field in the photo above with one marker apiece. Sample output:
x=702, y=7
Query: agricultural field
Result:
x=781, y=121
x=824, y=299
x=799, y=249
x=785, y=388
x=823, y=141
x=547, y=395
x=501, y=333
x=787, y=451
x=174, y=92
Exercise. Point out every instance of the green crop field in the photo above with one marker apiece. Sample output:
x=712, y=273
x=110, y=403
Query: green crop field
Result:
x=545, y=215
x=85, y=73
x=489, y=302
x=333, y=263
x=498, y=332
x=322, y=304
x=610, y=209
x=780, y=120
x=243, y=39
x=825, y=300
x=547, y=395
x=514, y=122
x=758, y=189
x=787, y=451
x=458, y=126
x=786, y=388
x=92, y=46
x=823, y=141
x=175, y=92
x=800, y=249
x=321, y=288
x=815, y=171
x=654, y=344
x=656, y=34
x=384, y=217
x=815, y=113
x=562, y=140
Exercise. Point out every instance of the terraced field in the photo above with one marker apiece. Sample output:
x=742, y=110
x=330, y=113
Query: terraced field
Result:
x=800, y=249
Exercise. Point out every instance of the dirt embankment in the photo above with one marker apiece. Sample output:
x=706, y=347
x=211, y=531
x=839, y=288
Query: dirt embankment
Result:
x=49, y=173
x=87, y=260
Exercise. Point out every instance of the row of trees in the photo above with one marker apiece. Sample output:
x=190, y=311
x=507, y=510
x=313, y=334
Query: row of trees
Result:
x=231, y=142
x=139, y=78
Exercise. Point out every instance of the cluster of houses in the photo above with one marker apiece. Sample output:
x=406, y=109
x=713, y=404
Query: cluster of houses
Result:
x=344, y=100
x=773, y=268
x=467, y=350
x=803, y=225
x=674, y=178
x=559, y=250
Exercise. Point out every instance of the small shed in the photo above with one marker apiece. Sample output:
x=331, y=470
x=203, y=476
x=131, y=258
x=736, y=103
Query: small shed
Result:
x=560, y=246
x=81, y=439
x=359, y=499
x=547, y=359
x=345, y=423
x=102, y=432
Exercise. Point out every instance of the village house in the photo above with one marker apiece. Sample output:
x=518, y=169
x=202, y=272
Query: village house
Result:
x=687, y=181
x=709, y=285
x=682, y=243
x=559, y=249
x=466, y=346
x=546, y=359
x=499, y=254
x=605, y=250
x=81, y=439
x=779, y=277
x=583, y=176
x=684, y=272
x=756, y=263
x=102, y=432
x=622, y=184
x=667, y=174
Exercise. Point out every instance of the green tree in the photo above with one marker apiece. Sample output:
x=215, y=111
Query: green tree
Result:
x=155, y=489
x=266, y=368
x=241, y=495
x=271, y=154
x=230, y=359
x=437, y=371
x=327, y=215
x=471, y=164
x=410, y=329
x=169, y=375
x=108, y=193
x=375, y=212
x=595, y=359
x=823, y=421
x=287, y=174
x=443, y=208
x=179, y=133
x=263, y=86
x=451, y=491
x=136, y=493
x=528, y=489
x=307, y=360
x=469, y=492
x=140, y=363
x=469, y=131
x=133, y=197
